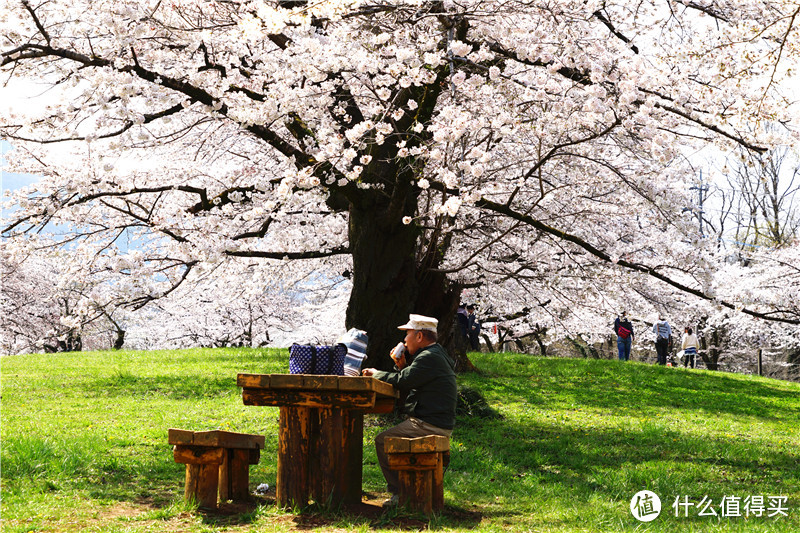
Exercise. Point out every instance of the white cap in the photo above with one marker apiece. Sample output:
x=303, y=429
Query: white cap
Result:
x=419, y=323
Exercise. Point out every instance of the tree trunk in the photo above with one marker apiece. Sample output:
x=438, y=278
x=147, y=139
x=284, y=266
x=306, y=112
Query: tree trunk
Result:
x=119, y=341
x=388, y=285
x=710, y=352
x=72, y=343
x=540, y=342
x=488, y=341
x=385, y=288
x=760, y=370
x=793, y=368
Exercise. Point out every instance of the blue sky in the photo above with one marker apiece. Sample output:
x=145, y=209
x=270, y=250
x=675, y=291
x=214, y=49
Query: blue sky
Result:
x=11, y=180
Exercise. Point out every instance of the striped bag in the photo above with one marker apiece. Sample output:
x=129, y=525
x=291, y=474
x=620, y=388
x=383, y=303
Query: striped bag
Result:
x=356, y=341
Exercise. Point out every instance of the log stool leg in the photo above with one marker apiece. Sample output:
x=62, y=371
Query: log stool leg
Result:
x=437, y=490
x=201, y=484
x=216, y=462
x=202, y=473
x=416, y=477
x=424, y=499
x=234, y=475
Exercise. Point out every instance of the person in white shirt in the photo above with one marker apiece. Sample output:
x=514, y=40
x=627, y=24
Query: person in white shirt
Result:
x=689, y=346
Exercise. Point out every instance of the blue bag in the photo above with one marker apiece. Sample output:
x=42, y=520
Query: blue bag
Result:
x=310, y=359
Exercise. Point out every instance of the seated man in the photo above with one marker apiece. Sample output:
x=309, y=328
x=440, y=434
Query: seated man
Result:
x=426, y=373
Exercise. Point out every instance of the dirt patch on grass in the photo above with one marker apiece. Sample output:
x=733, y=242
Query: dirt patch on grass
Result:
x=229, y=517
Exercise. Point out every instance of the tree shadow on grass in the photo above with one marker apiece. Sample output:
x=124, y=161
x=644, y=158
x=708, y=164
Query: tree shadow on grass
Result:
x=605, y=468
x=545, y=450
x=629, y=388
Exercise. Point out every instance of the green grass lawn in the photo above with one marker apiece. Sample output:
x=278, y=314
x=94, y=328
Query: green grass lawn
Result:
x=84, y=446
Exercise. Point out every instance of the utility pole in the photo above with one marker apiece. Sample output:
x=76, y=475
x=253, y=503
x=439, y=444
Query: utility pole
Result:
x=702, y=188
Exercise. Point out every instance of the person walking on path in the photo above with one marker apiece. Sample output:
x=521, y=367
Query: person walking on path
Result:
x=663, y=332
x=624, y=331
x=427, y=373
x=689, y=346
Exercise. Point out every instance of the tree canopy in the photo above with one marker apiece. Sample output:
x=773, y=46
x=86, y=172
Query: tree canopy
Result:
x=531, y=154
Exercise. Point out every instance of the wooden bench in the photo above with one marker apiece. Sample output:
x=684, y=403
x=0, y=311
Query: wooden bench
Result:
x=216, y=461
x=420, y=465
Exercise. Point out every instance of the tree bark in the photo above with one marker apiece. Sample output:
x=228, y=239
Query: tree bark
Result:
x=389, y=284
x=385, y=287
x=119, y=340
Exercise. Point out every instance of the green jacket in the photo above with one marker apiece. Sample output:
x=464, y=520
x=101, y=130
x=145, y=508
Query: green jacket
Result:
x=430, y=381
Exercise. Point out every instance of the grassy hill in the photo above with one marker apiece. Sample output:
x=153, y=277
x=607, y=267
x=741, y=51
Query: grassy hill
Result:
x=84, y=446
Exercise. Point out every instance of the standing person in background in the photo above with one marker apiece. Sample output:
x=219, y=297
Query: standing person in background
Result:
x=689, y=346
x=663, y=333
x=624, y=331
x=462, y=320
x=474, y=328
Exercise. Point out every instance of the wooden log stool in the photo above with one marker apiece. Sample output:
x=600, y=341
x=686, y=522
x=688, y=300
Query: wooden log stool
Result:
x=420, y=465
x=216, y=461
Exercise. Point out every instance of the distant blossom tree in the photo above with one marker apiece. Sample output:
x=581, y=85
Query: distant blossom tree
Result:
x=525, y=152
x=242, y=303
x=45, y=307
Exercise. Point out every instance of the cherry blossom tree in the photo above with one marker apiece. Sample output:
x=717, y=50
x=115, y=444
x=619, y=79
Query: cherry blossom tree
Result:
x=530, y=153
x=244, y=303
x=45, y=307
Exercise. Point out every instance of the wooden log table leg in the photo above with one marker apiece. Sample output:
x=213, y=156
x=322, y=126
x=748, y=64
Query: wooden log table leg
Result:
x=336, y=456
x=326, y=457
x=354, y=444
x=294, y=431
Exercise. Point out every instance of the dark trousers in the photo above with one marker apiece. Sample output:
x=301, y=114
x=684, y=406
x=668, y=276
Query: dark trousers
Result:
x=474, y=342
x=662, y=346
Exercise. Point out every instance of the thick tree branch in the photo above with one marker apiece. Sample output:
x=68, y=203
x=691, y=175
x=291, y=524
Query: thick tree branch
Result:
x=148, y=118
x=311, y=254
x=583, y=78
x=36, y=21
x=140, y=302
x=703, y=8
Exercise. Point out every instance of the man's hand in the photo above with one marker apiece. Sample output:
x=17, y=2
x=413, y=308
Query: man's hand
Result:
x=368, y=371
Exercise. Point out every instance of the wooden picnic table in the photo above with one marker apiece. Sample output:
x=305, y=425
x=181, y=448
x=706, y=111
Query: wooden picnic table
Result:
x=321, y=431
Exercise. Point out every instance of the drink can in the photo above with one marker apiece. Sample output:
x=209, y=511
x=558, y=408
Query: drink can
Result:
x=398, y=351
